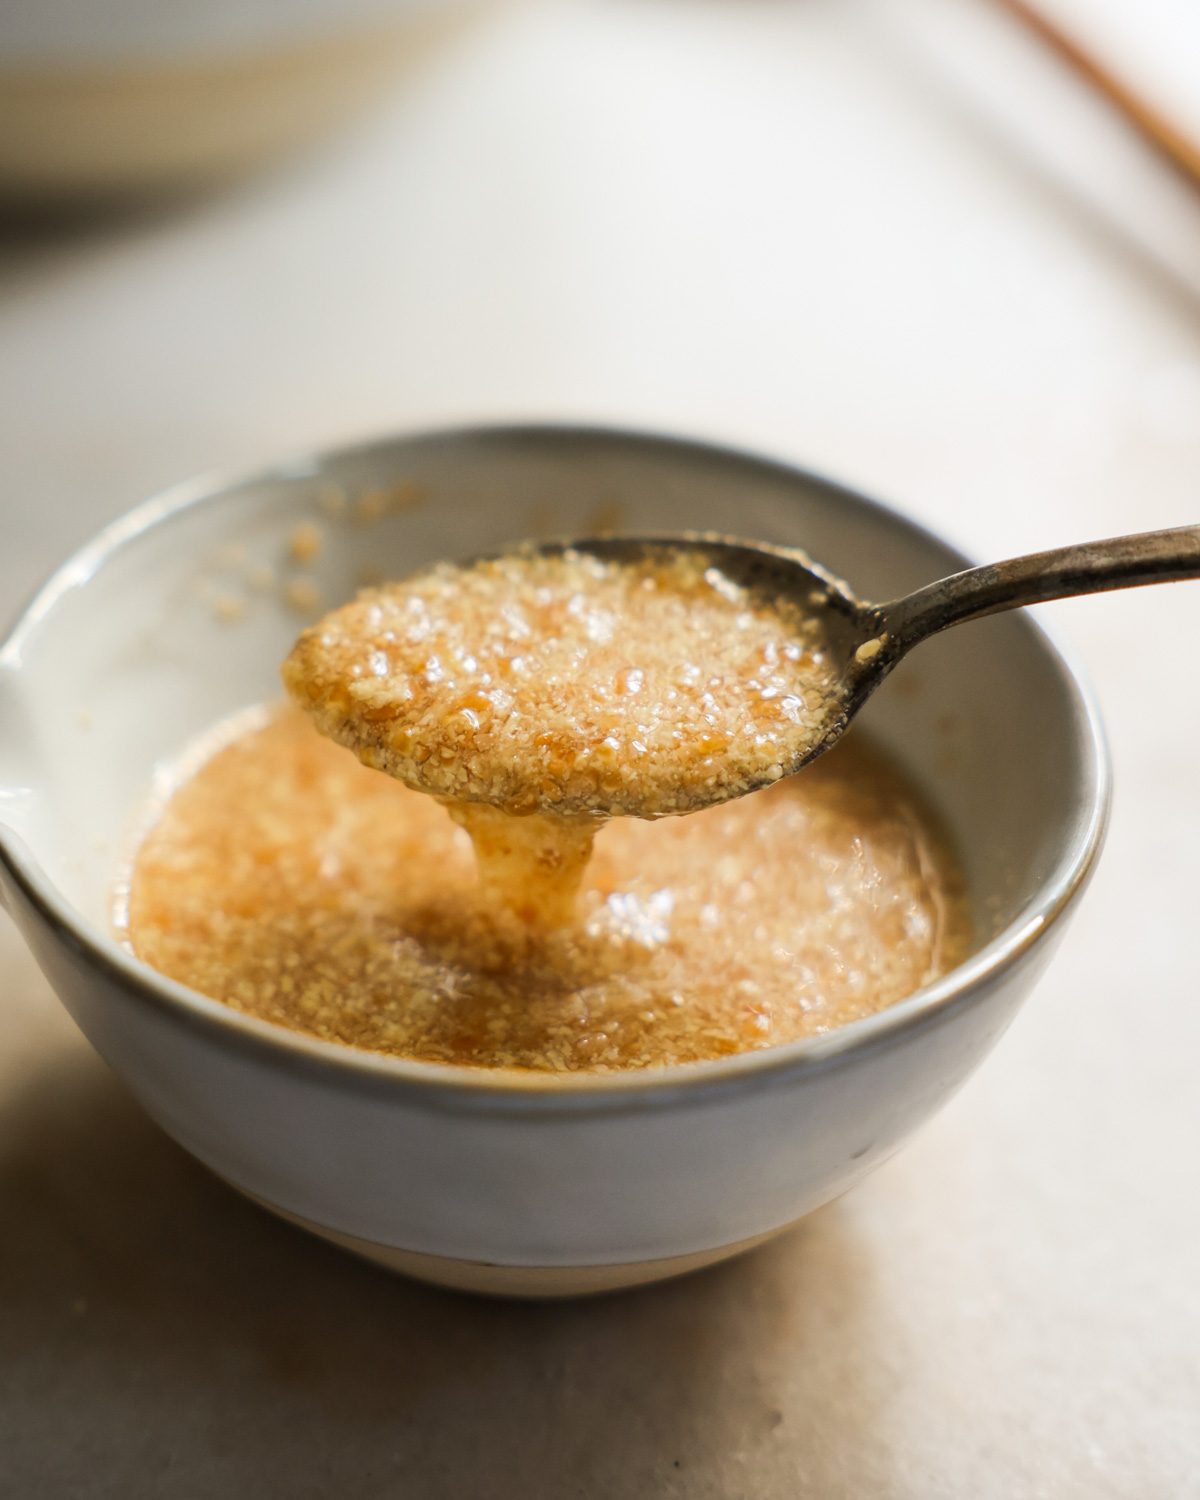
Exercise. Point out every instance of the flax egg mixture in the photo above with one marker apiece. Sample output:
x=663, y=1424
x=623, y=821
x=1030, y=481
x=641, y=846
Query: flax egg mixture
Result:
x=568, y=683
x=520, y=917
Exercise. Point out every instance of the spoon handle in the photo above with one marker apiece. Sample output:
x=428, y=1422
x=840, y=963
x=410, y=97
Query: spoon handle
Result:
x=1122, y=562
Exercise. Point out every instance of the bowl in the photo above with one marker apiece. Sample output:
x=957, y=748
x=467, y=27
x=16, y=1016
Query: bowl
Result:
x=125, y=97
x=527, y=1184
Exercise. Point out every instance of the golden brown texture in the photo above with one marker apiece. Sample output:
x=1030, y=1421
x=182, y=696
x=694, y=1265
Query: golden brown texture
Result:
x=567, y=683
x=293, y=884
x=530, y=866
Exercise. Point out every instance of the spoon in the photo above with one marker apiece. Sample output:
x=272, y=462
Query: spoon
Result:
x=865, y=641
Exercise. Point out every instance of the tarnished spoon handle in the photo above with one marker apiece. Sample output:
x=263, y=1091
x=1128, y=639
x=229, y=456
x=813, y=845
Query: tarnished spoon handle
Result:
x=1124, y=562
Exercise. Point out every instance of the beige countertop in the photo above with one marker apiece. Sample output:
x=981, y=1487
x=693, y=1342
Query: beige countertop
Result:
x=763, y=223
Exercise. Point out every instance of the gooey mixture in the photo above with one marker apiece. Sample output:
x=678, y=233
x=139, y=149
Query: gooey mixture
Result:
x=569, y=683
x=298, y=886
x=537, y=696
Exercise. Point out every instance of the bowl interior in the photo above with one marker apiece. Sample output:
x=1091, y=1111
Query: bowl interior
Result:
x=179, y=615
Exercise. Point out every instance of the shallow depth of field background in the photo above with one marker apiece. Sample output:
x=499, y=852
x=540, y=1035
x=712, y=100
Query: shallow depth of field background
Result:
x=819, y=228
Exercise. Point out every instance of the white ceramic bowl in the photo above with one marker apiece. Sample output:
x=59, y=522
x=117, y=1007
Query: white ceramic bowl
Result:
x=508, y=1182
x=111, y=97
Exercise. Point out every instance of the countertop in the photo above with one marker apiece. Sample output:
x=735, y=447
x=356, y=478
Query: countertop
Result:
x=759, y=222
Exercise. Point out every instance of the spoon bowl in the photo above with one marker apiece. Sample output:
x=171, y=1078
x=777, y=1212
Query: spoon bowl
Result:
x=863, y=642
x=774, y=575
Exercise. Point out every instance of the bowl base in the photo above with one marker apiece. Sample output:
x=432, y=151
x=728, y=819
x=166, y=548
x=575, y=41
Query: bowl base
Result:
x=88, y=135
x=521, y=1281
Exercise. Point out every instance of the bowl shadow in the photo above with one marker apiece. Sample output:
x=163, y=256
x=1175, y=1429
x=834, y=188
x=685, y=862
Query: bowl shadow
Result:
x=160, y=1334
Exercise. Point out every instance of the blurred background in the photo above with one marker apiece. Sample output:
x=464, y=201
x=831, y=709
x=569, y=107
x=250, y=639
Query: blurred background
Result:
x=947, y=251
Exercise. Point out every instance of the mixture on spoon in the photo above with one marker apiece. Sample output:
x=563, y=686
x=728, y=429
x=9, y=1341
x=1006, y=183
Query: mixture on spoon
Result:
x=559, y=689
x=537, y=696
x=566, y=683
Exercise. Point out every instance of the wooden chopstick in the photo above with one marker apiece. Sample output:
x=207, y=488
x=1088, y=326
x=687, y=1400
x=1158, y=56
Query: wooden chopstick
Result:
x=1179, y=149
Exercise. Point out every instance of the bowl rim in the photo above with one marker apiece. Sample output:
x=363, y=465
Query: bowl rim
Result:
x=517, y=1090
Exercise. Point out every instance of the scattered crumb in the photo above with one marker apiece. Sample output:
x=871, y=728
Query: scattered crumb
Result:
x=605, y=519
x=407, y=495
x=303, y=595
x=306, y=542
x=868, y=651
x=332, y=500
x=391, y=500
x=370, y=507
x=229, y=609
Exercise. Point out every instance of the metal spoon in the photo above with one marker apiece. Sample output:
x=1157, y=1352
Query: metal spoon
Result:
x=865, y=641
